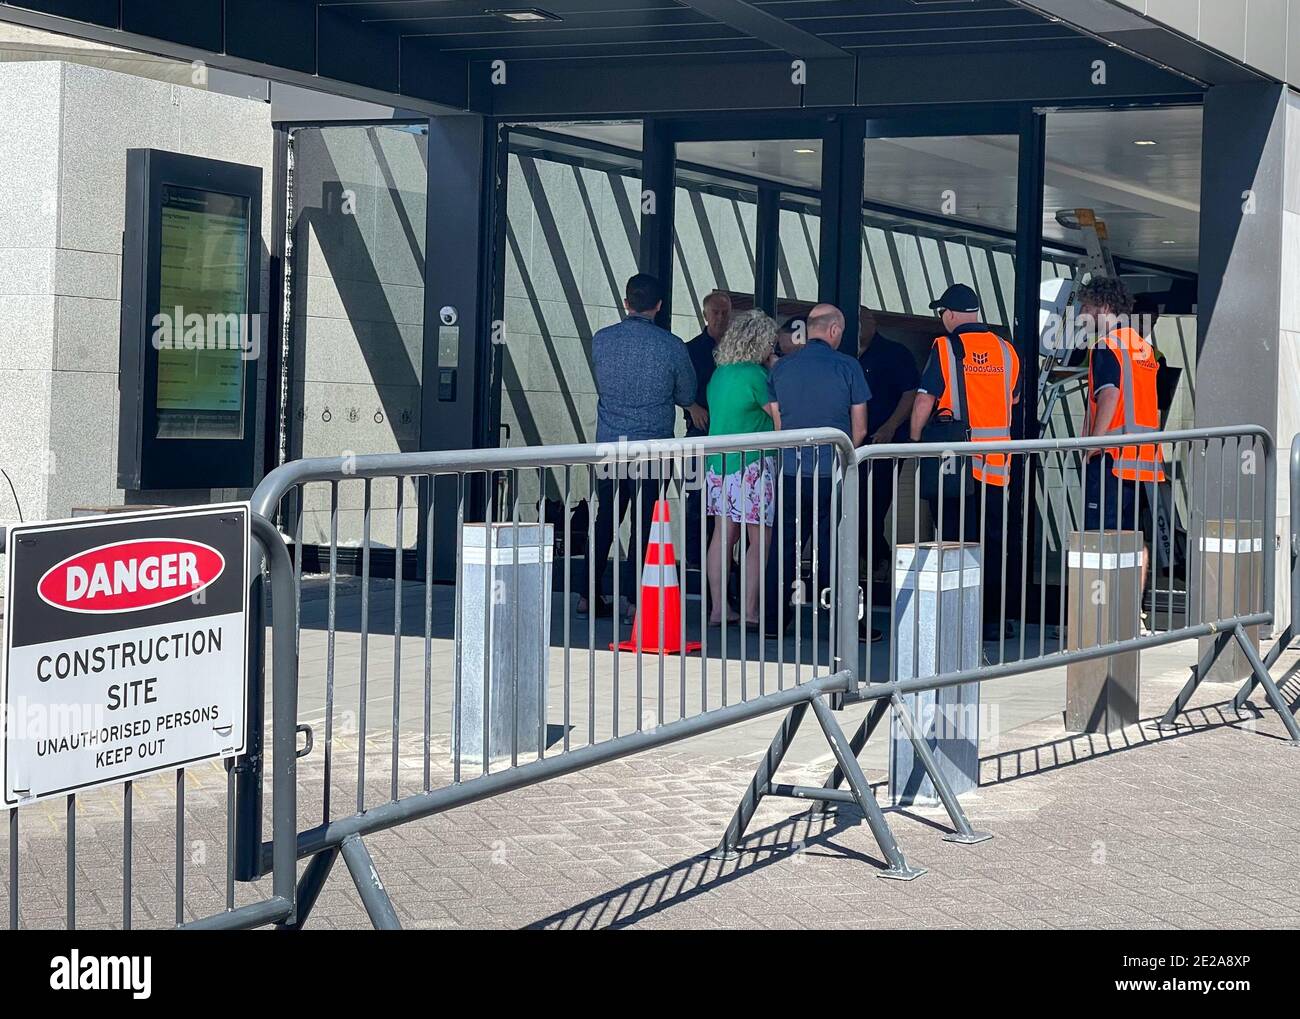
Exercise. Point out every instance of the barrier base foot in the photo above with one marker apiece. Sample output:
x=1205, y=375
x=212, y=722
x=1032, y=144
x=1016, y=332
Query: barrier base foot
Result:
x=974, y=838
x=724, y=855
x=903, y=873
x=1166, y=726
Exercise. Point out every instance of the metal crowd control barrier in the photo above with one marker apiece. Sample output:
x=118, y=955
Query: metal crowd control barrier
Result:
x=1241, y=460
x=623, y=701
x=606, y=703
x=113, y=808
x=1289, y=634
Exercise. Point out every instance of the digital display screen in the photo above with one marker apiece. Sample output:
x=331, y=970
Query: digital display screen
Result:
x=202, y=331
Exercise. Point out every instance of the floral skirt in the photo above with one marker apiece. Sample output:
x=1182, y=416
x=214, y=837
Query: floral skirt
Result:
x=747, y=496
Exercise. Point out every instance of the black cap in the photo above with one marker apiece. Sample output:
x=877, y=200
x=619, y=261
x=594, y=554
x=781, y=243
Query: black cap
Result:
x=958, y=297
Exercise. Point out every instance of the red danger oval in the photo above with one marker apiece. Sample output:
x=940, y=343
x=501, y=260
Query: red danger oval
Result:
x=131, y=575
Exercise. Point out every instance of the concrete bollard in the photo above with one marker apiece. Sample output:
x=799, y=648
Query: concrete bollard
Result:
x=938, y=616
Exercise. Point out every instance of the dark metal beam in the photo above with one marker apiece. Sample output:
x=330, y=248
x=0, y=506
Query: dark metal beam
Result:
x=548, y=90
x=272, y=422
x=255, y=57
x=460, y=264
x=658, y=193
x=1029, y=261
x=1031, y=181
x=767, y=231
x=665, y=87
x=1066, y=73
x=839, y=267
x=758, y=24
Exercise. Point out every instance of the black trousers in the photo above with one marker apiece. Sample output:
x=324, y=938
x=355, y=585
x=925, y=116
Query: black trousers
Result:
x=627, y=490
x=986, y=511
x=876, y=480
x=806, y=510
x=694, y=552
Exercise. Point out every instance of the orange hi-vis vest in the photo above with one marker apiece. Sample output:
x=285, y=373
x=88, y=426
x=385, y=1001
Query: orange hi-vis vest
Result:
x=1138, y=411
x=991, y=370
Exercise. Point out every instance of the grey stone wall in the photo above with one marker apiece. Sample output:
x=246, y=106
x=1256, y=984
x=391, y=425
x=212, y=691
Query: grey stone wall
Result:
x=1288, y=384
x=64, y=132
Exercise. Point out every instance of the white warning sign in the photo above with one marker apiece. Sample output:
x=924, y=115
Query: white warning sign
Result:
x=126, y=647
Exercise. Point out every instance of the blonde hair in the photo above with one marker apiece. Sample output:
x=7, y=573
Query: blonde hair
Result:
x=748, y=340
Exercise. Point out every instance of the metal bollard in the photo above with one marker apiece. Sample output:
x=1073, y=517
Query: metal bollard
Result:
x=1102, y=694
x=1232, y=553
x=938, y=628
x=506, y=601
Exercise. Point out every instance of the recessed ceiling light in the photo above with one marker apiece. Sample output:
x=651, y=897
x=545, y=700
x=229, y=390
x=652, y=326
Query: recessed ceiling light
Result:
x=525, y=15
x=806, y=152
x=1145, y=141
x=1168, y=242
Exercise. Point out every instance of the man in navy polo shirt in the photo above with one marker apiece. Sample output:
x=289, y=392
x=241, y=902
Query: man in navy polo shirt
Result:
x=822, y=387
x=892, y=376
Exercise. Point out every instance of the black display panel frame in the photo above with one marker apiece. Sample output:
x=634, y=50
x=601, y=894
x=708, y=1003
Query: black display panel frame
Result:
x=146, y=461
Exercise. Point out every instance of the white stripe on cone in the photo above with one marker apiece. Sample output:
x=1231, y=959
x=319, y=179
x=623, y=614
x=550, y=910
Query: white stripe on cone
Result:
x=661, y=533
x=658, y=576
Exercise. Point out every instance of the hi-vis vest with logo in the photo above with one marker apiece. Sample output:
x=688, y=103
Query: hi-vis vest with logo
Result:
x=990, y=367
x=1138, y=411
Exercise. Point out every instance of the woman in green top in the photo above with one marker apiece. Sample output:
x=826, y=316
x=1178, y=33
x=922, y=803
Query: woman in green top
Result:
x=741, y=487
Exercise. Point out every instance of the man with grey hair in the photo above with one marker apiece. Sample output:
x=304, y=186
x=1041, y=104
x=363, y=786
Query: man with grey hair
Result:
x=821, y=388
x=717, y=316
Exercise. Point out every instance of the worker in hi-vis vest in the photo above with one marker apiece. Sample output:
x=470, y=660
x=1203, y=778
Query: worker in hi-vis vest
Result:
x=968, y=389
x=1122, y=400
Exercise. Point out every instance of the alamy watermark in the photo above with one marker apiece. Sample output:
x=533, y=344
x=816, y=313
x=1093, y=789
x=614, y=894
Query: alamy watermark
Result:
x=1077, y=330
x=177, y=329
x=644, y=461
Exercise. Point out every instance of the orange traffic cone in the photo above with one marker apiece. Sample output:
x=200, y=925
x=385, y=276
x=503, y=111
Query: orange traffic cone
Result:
x=659, y=589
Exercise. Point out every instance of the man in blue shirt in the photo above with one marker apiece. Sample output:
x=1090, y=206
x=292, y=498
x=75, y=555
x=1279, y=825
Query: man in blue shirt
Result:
x=717, y=317
x=892, y=376
x=820, y=388
x=643, y=374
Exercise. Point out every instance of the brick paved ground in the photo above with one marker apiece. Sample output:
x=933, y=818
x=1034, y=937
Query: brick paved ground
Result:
x=1201, y=828
x=1197, y=830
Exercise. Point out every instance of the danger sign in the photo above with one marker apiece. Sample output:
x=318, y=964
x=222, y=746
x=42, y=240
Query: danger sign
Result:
x=126, y=647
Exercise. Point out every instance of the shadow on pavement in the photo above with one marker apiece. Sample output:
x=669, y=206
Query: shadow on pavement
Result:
x=671, y=886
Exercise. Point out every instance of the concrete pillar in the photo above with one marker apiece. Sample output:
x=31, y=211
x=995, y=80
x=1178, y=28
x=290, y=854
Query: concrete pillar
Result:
x=1248, y=323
